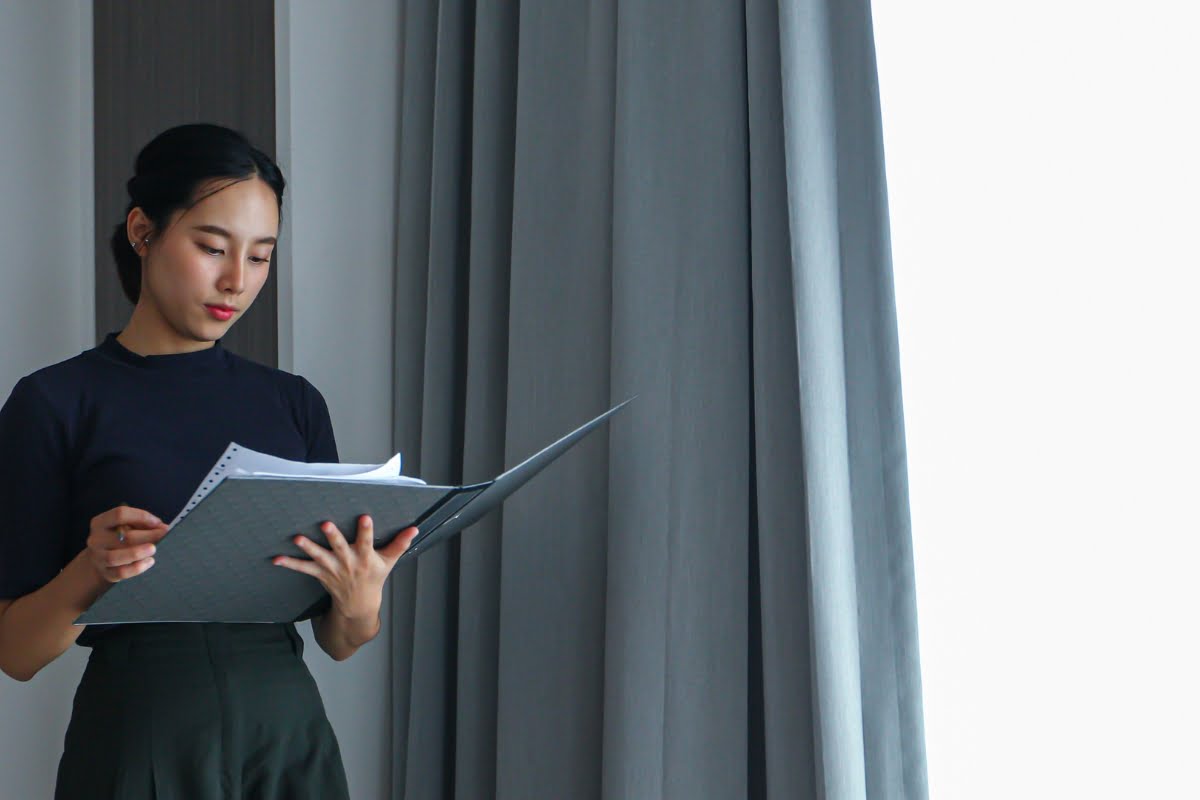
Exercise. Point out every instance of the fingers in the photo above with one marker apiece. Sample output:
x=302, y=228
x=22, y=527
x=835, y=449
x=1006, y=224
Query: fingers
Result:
x=137, y=536
x=366, y=534
x=151, y=535
x=139, y=526
x=133, y=536
x=336, y=540
x=114, y=574
x=118, y=563
x=122, y=556
x=115, y=560
x=298, y=564
x=128, y=515
x=396, y=547
x=340, y=552
x=315, y=551
x=107, y=539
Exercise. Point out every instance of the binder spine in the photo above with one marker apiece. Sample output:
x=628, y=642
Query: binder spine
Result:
x=446, y=510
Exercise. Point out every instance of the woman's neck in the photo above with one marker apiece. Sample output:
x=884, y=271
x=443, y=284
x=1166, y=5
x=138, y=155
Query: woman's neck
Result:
x=149, y=334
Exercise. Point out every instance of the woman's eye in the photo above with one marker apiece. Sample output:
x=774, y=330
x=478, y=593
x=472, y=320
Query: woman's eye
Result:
x=212, y=251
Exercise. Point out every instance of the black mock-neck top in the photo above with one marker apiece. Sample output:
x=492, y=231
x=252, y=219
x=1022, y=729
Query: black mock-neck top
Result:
x=107, y=426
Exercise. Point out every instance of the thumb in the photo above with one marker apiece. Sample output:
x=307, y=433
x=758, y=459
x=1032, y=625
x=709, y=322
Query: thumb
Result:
x=396, y=547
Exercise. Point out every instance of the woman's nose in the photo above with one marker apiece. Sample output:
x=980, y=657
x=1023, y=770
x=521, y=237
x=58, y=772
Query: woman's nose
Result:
x=234, y=276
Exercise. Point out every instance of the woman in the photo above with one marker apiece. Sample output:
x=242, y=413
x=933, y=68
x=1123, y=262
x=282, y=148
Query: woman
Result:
x=100, y=448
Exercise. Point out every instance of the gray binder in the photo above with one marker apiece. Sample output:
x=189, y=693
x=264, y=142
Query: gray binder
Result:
x=215, y=565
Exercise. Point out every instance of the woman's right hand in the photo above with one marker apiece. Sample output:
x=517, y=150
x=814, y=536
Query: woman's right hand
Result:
x=115, y=560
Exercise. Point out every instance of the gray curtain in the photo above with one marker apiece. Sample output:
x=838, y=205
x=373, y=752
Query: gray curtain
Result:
x=713, y=595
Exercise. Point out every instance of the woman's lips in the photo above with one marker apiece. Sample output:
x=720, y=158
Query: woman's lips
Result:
x=219, y=313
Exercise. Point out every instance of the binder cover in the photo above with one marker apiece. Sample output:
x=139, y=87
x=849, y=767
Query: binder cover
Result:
x=215, y=565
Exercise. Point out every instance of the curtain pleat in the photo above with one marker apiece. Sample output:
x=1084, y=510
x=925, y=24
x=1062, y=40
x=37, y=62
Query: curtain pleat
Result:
x=790, y=735
x=712, y=596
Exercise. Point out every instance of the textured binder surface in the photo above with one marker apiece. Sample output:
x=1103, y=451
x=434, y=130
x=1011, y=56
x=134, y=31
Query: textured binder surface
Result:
x=215, y=564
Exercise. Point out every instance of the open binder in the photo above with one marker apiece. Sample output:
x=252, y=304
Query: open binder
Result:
x=214, y=563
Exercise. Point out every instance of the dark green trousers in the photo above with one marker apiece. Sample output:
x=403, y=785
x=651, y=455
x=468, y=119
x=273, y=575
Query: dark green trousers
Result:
x=199, y=711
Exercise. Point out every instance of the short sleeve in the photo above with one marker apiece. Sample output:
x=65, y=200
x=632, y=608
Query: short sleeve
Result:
x=34, y=490
x=322, y=446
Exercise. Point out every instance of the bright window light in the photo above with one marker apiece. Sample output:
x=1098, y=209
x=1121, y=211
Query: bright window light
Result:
x=1043, y=166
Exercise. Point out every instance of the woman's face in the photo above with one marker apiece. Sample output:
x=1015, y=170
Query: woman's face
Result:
x=218, y=252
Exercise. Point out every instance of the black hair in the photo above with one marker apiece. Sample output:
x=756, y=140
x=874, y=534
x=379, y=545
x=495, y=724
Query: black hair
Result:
x=167, y=174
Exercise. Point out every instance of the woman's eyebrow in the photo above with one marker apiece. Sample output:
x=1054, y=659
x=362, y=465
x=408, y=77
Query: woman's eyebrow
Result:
x=225, y=233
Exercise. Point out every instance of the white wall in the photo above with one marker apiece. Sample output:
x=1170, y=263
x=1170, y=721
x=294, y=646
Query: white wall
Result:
x=337, y=100
x=337, y=69
x=46, y=226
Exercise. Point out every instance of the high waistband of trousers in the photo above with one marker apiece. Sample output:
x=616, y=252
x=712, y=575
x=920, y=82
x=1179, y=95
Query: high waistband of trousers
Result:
x=219, y=640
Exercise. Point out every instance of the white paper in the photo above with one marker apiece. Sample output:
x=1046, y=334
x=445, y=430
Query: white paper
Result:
x=242, y=461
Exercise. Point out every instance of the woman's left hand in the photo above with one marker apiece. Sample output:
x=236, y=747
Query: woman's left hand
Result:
x=353, y=574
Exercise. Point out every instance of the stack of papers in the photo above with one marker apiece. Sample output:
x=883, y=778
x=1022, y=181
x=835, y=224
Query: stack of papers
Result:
x=241, y=462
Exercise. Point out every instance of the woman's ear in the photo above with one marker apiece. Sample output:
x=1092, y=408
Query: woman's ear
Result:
x=138, y=226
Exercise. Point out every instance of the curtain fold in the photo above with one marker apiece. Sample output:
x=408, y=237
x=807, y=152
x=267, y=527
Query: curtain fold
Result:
x=713, y=595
